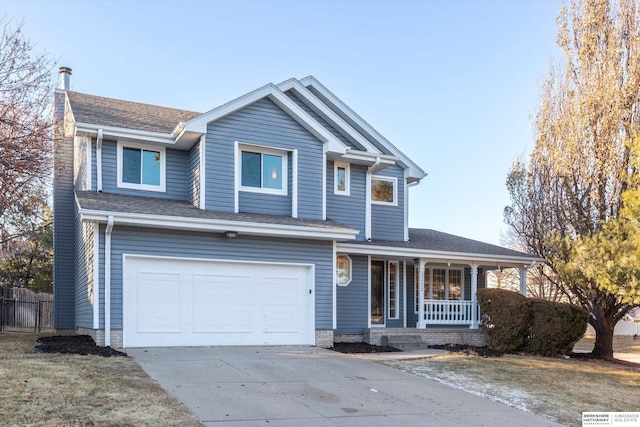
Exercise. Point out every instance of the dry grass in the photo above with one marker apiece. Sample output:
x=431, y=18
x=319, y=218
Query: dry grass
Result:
x=557, y=388
x=56, y=389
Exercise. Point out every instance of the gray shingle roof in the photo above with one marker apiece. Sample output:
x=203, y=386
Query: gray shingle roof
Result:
x=432, y=240
x=125, y=114
x=108, y=202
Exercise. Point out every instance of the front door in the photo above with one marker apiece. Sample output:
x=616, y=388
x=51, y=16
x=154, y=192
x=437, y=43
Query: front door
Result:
x=377, y=293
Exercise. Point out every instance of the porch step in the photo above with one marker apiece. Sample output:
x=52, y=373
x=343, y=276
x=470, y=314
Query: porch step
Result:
x=404, y=342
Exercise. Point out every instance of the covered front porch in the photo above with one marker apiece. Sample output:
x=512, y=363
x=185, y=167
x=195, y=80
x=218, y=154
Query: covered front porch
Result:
x=388, y=290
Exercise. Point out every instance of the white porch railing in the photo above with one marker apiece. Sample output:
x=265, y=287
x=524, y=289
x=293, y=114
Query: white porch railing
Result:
x=447, y=312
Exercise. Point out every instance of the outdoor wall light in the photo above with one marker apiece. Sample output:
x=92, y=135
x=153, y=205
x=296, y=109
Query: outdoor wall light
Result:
x=230, y=234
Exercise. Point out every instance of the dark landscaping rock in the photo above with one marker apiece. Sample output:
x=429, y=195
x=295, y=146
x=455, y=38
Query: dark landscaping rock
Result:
x=73, y=344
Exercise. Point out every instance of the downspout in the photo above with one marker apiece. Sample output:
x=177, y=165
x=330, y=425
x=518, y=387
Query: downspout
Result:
x=367, y=208
x=407, y=186
x=107, y=281
x=99, y=161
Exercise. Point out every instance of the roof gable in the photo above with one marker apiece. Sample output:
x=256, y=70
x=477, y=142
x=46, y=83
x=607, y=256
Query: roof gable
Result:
x=270, y=91
x=414, y=172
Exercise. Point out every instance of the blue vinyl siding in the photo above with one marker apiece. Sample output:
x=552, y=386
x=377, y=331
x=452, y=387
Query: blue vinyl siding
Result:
x=262, y=123
x=193, y=175
x=387, y=222
x=352, y=305
x=83, y=273
x=265, y=203
x=147, y=241
x=176, y=174
x=348, y=210
x=342, y=138
x=63, y=226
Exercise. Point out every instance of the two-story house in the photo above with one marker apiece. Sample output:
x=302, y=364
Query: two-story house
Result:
x=277, y=218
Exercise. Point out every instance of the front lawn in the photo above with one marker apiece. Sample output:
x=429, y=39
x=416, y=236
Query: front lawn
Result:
x=558, y=388
x=62, y=389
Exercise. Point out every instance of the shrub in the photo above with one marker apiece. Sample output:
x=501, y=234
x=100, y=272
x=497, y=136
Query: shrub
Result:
x=554, y=327
x=505, y=316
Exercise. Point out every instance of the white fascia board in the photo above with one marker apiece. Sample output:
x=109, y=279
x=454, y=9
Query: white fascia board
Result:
x=215, y=225
x=124, y=133
x=199, y=124
x=356, y=156
x=416, y=171
x=328, y=113
x=444, y=256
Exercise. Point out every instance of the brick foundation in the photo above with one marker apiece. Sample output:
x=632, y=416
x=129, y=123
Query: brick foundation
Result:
x=98, y=336
x=431, y=336
x=324, y=338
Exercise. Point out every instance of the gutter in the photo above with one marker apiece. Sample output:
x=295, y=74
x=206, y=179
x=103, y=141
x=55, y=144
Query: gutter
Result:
x=250, y=228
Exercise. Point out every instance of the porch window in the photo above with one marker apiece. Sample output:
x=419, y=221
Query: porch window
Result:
x=392, y=290
x=440, y=284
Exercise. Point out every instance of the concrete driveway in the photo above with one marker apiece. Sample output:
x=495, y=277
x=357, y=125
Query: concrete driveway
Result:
x=293, y=386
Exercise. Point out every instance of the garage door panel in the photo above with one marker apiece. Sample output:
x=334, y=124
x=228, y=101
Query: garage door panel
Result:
x=216, y=303
x=221, y=303
x=158, y=302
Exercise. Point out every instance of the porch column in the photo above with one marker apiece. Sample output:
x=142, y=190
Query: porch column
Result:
x=420, y=324
x=474, y=296
x=523, y=280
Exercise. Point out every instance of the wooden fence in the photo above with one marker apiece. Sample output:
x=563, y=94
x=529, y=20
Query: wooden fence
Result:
x=22, y=309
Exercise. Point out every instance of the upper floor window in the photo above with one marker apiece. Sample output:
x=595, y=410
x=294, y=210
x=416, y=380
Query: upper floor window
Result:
x=263, y=170
x=341, y=178
x=141, y=167
x=384, y=190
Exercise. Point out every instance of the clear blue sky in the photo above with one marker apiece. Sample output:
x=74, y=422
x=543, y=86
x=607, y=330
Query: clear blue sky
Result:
x=453, y=84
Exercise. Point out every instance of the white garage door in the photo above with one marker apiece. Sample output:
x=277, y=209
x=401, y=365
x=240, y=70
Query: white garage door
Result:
x=174, y=302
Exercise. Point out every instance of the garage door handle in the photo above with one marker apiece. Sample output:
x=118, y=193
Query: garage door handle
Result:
x=309, y=291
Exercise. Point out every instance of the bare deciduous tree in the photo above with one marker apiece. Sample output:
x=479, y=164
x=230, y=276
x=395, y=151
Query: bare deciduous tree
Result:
x=26, y=91
x=583, y=161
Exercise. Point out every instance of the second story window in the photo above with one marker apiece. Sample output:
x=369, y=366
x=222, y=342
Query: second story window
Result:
x=384, y=190
x=263, y=171
x=341, y=178
x=141, y=167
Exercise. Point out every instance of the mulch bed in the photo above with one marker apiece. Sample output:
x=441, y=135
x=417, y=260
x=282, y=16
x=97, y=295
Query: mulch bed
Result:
x=73, y=344
x=469, y=350
x=361, y=347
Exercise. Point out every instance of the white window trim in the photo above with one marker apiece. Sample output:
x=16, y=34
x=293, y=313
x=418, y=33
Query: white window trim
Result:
x=350, y=270
x=163, y=167
x=347, y=179
x=428, y=283
x=263, y=150
x=392, y=179
x=397, y=292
